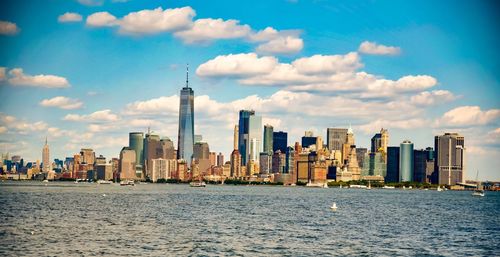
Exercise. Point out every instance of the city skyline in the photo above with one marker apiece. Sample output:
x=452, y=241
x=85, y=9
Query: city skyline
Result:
x=288, y=75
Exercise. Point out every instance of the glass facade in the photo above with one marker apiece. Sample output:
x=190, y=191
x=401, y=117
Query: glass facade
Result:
x=186, y=125
x=268, y=139
x=280, y=141
x=136, y=143
x=406, y=161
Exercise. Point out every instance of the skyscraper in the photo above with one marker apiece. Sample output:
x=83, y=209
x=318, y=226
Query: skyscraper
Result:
x=220, y=159
x=336, y=137
x=406, y=161
x=392, y=164
x=127, y=163
x=450, y=158
x=46, y=157
x=250, y=127
x=280, y=141
x=268, y=139
x=235, y=137
x=135, y=142
x=376, y=142
x=152, y=150
x=186, y=123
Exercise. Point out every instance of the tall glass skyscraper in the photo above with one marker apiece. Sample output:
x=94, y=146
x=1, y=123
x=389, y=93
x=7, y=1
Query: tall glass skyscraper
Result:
x=268, y=139
x=406, y=161
x=186, y=123
x=136, y=143
x=249, y=136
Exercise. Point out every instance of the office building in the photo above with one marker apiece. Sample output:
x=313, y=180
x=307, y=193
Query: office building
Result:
x=280, y=141
x=127, y=163
x=392, y=164
x=406, y=161
x=268, y=139
x=220, y=159
x=450, y=158
x=336, y=137
x=186, y=123
x=46, y=158
x=136, y=143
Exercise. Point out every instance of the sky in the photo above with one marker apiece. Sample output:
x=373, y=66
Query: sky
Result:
x=85, y=73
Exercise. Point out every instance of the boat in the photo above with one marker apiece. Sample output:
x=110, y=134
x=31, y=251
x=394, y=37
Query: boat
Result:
x=389, y=187
x=45, y=181
x=105, y=182
x=357, y=186
x=439, y=189
x=334, y=206
x=340, y=186
x=369, y=186
x=197, y=184
x=310, y=184
x=325, y=185
x=127, y=183
x=479, y=191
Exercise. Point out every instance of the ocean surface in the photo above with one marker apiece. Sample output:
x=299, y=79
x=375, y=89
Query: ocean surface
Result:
x=68, y=219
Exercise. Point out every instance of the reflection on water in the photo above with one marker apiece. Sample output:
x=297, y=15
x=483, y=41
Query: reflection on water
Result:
x=162, y=219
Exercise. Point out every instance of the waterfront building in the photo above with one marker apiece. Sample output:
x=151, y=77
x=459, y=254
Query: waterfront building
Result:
x=374, y=165
x=201, y=151
x=346, y=147
x=136, y=143
x=361, y=154
x=104, y=171
x=244, y=134
x=429, y=170
x=265, y=162
x=185, y=139
x=152, y=149
x=220, y=159
x=336, y=137
x=235, y=137
x=290, y=160
x=115, y=167
x=213, y=158
x=406, y=161
x=318, y=173
x=268, y=139
x=392, y=164
x=343, y=175
x=100, y=160
x=423, y=165
x=449, y=165
x=236, y=164
x=304, y=166
x=352, y=164
x=167, y=149
x=379, y=143
x=226, y=169
x=255, y=138
x=376, y=143
x=127, y=163
x=88, y=156
x=280, y=141
x=279, y=162
x=46, y=158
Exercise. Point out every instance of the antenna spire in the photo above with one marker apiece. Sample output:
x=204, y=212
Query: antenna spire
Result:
x=187, y=75
x=45, y=140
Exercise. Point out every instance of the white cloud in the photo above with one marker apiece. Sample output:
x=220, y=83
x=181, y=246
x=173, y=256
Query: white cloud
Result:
x=427, y=98
x=205, y=30
x=62, y=102
x=8, y=28
x=157, y=20
x=18, y=78
x=3, y=129
x=3, y=74
x=98, y=116
x=69, y=17
x=168, y=105
x=101, y=19
x=368, y=47
x=413, y=123
x=328, y=63
x=465, y=116
x=237, y=65
x=282, y=45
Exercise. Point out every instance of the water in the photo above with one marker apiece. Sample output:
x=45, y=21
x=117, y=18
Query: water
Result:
x=67, y=219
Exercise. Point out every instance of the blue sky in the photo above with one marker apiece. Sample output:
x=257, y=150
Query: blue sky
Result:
x=419, y=68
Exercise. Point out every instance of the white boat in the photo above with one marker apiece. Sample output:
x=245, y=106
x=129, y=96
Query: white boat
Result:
x=439, y=189
x=479, y=189
x=389, y=187
x=105, y=182
x=369, y=186
x=357, y=186
x=340, y=186
x=197, y=184
x=310, y=184
x=478, y=192
x=45, y=181
x=334, y=206
x=325, y=185
x=127, y=183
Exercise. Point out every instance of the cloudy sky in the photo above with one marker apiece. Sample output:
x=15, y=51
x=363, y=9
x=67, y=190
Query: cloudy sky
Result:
x=85, y=73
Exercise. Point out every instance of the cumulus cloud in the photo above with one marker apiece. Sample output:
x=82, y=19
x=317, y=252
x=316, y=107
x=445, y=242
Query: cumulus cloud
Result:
x=322, y=73
x=237, y=65
x=282, y=45
x=91, y=2
x=328, y=63
x=62, y=102
x=21, y=126
x=205, y=30
x=465, y=116
x=69, y=17
x=98, y=116
x=101, y=19
x=156, y=20
x=162, y=105
x=3, y=129
x=18, y=78
x=427, y=98
x=8, y=28
x=368, y=47
x=375, y=125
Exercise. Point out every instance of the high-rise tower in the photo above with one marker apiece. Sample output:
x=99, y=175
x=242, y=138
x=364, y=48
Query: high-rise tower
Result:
x=186, y=123
x=46, y=157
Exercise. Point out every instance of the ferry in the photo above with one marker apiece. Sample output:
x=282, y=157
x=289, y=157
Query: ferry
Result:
x=389, y=187
x=357, y=186
x=197, y=184
x=105, y=182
